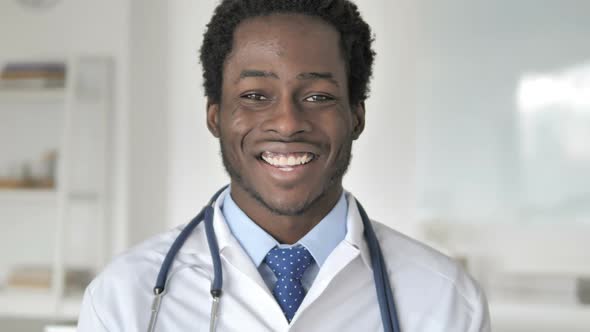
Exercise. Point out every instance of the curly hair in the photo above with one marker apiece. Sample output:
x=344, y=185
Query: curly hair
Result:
x=355, y=38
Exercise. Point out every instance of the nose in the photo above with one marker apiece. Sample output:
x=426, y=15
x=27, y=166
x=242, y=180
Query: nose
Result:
x=287, y=119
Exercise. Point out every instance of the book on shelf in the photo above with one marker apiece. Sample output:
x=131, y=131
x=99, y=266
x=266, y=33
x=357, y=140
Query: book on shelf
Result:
x=31, y=83
x=36, y=277
x=43, y=183
x=34, y=67
x=37, y=174
x=39, y=277
x=33, y=75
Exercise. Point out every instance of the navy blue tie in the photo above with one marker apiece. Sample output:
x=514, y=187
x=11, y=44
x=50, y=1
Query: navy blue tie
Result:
x=288, y=266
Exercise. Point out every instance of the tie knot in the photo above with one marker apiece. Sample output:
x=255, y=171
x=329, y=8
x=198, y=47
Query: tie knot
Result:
x=289, y=262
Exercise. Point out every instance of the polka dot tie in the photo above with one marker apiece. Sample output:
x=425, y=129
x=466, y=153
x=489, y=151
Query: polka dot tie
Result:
x=288, y=266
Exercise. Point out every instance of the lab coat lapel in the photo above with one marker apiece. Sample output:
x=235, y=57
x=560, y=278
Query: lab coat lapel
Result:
x=239, y=261
x=355, y=234
x=245, y=275
x=231, y=250
x=342, y=255
x=241, y=277
x=241, y=265
x=349, y=249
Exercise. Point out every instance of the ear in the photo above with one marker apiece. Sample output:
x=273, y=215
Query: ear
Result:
x=213, y=118
x=358, y=119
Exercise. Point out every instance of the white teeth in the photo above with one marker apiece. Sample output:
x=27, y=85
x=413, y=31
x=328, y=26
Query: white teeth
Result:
x=286, y=161
x=305, y=159
x=291, y=161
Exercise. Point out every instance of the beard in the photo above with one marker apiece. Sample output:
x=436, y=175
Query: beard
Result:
x=334, y=178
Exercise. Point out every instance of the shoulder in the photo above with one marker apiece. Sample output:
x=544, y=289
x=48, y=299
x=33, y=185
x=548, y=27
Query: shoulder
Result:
x=125, y=286
x=416, y=265
x=132, y=265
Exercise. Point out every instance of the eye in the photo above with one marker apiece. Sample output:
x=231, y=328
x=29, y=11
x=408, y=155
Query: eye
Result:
x=319, y=98
x=254, y=97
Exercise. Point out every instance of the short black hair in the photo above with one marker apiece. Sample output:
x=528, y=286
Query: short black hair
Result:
x=355, y=38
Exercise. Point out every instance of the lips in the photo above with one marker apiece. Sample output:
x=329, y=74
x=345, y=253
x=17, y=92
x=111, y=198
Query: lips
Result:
x=289, y=159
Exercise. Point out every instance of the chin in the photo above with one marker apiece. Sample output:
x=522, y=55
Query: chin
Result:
x=287, y=204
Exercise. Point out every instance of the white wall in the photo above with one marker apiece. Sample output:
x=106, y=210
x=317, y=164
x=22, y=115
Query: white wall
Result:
x=196, y=171
x=471, y=60
x=382, y=173
x=149, y=115
x=173, y=159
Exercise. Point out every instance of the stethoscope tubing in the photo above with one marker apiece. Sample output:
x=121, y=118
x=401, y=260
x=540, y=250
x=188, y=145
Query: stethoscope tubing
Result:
x=207, y=211
x=384, y=292
x=384, y=297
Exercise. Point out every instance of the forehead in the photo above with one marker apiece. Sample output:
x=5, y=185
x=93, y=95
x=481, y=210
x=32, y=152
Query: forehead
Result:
x=280, y=39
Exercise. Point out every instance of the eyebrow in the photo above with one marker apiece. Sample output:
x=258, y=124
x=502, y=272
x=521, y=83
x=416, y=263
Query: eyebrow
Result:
x=318, y=76
x=302, y=76
x=257, y=73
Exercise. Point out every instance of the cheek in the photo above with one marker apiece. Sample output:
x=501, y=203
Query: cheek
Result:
x=235, y=129
x=338, y=129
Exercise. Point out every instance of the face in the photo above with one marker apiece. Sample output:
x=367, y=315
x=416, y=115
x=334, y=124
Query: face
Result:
x=284, y=120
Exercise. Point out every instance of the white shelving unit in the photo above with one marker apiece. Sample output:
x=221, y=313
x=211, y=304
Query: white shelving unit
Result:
x=64, y=227
x=29, y=195
x=40, y=96
x=36, y=304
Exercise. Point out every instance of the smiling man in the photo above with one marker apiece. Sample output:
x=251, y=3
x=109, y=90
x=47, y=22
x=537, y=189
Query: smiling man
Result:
x=286, y=82
x=285, y=120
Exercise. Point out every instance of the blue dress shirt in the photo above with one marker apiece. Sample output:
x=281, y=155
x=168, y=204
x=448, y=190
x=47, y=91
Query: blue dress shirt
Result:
x=320, y=241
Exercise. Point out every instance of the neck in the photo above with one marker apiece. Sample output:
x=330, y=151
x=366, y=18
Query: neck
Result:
x=286, y=229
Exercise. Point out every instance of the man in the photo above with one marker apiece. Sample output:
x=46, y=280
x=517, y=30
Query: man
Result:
x=286, y=82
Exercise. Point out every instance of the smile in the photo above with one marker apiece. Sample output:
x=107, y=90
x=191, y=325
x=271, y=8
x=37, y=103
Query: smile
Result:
x=287, y=160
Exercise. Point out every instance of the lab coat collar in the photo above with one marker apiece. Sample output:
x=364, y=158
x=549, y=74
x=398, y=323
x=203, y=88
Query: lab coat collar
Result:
x=355, y=230
x=224, y=236
x=231, y=250
x=197, y=244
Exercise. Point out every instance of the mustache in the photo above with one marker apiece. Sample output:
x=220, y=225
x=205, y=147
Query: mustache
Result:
x=288, y=141
x=292, y=142
x=283, y=139
x=274, y=141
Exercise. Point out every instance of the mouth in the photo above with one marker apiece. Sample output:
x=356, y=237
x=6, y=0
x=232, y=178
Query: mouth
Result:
x=287, y=161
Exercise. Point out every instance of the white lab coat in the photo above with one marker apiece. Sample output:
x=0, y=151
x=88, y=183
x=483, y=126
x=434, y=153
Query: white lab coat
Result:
x=432, y=293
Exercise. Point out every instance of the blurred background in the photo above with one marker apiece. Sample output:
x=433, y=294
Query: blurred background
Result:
x=477, y=142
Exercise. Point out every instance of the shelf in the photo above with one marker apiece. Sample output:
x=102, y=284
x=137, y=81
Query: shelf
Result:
x=38, y=304
x=32, y=95
x=41, y=196
x=28, y=195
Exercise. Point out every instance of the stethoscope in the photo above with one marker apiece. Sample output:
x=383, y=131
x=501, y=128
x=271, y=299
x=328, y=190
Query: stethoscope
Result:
x=384, y=293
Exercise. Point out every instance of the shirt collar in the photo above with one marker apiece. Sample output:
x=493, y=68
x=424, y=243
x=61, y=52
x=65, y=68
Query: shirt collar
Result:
x=255, y=241
x=197, y=243
x=320, y=241
x=328, y=233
